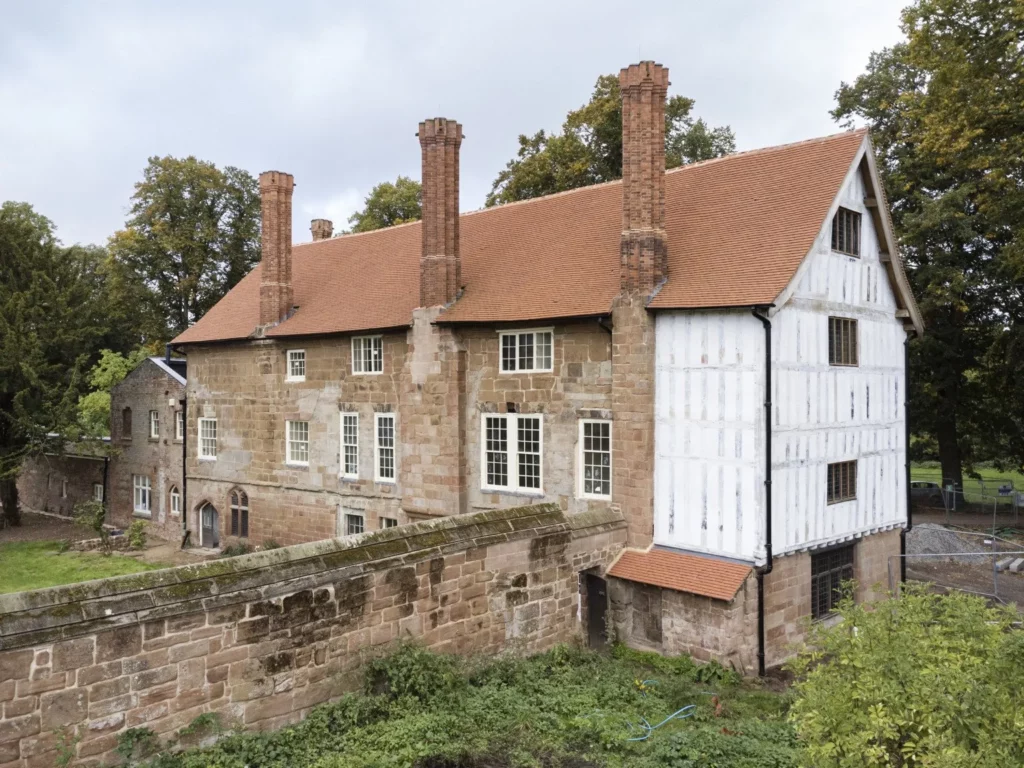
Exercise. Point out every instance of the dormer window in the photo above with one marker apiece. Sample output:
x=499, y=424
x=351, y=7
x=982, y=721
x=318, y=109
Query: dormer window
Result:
x=296, y=365
x=526, y=351
x=846, y=232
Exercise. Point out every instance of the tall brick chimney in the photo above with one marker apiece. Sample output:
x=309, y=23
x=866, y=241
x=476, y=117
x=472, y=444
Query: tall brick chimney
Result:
x=276, y=276
x=440, y=267
x=644, y=251
x=322, y=229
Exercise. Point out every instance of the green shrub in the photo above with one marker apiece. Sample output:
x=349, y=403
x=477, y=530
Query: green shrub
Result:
x=270, y=544
x=922, y=680
x=416, y=672
x=234, y=550
x=92, y=514
x=137, y=534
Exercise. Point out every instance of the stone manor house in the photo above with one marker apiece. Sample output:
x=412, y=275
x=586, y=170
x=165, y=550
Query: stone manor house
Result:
x=716, y=352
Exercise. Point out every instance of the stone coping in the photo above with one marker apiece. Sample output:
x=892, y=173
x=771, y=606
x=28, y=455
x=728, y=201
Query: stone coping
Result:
x=57, y=613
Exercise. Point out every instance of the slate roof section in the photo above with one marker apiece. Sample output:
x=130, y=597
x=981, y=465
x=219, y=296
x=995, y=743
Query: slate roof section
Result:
x=698, y=575
x=177, y=369
x=738, y=228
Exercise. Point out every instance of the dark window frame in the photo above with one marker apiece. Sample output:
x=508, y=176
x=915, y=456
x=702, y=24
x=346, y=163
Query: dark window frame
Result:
x=830, y=568
x=841, y=482
x=846, y=229
x=353, y=522
x=240, y=514
x=843, y=342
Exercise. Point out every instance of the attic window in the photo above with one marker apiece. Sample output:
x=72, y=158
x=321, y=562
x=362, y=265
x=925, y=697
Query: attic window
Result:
x=846, y=232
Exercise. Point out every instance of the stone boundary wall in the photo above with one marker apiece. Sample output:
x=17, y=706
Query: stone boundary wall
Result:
x=262, y=638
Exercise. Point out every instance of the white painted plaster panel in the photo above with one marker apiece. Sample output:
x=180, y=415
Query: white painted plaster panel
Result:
x=709, y=434
x=826, y=413
x=709, y=391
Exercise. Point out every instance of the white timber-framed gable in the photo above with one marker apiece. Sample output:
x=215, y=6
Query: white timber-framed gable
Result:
x=710, y=493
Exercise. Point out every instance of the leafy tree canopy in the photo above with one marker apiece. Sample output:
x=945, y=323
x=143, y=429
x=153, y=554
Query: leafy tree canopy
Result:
x=51, y=317
x=945, y=108
x=589, y=148
x=193, y=232
x=94, y=407
x=923, y=680
x=389, y=204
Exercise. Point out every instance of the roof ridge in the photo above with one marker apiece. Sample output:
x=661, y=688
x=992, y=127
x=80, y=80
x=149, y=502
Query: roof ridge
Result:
x=564, y=192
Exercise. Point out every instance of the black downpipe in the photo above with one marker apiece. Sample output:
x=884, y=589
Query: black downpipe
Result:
x=767, y=567
x=106, y=481
x=184, y=472
x=906, y=438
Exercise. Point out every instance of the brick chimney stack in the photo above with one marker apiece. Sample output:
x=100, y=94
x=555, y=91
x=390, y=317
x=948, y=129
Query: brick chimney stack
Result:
x=276, y=275
x=644, y=251
x=440, y=267
x=322, y=229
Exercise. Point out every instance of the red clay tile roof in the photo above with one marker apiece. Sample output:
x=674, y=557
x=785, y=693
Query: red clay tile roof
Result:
x=738, y=228
x=698, y=575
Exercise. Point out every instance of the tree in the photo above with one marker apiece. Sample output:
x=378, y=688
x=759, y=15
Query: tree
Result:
x=389, y=204
x=192, y=234
x=589, y=148
x=51, y=316
x=945, y=111
x=94, y=407
x=922, y=680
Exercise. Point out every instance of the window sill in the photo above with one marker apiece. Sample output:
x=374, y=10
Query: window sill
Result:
x=367, y=373
x=509, y=492
x=296, y=380
x=591, y=497
x=382, y=481
x=141, y=514
x=349, y=478
x=207, y=458
x=526, y=370
x=297, y=464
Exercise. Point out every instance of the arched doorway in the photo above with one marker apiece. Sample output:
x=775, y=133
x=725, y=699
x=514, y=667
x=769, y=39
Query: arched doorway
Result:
x=209, y=527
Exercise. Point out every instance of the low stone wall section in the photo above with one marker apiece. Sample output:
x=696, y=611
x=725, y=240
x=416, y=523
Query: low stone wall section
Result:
x=262, y=638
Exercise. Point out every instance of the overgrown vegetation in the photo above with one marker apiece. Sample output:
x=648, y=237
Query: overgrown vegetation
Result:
x=568, y=708
x=39, y=564
x=137, y=534
x=931, y=680
x=92, y=514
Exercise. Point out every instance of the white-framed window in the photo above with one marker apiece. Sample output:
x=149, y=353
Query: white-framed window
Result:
x=154, y=424
x=595, y=459
x=97, y=492
x=384, y=448
x=179, y=425
x=296, y=365
x=143, y=492
x=354, y=524
x=526, y=351
x=64, y=489
x=511, y=452
x=350, y=445
x=175, y=501
x=389, y=522
x=298, y=442
x=367, y=354
x=208, y=439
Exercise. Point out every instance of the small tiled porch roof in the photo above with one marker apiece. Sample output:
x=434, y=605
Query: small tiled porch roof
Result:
x=696, y=574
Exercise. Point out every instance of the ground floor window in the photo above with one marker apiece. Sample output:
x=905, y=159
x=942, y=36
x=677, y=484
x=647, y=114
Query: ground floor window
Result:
x=511, y=452
x=239, y=514
x=97, y=492
x=143, y=491
x=175, y=501
x=829, y=569
x=388, y=522
x=354, y=524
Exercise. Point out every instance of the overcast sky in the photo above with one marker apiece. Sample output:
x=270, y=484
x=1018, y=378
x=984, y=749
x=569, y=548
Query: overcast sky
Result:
x=332, y=92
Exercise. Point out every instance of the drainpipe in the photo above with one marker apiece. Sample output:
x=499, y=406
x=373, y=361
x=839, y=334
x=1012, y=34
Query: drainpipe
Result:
x=768, y=562
x=906, y=438
x=106, y=481
x=184, y=470
x=167, y=353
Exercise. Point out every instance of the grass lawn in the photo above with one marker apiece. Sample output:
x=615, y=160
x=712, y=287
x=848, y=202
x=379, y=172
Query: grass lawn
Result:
x=568, y=708
x=37, y=564
x=975, y=490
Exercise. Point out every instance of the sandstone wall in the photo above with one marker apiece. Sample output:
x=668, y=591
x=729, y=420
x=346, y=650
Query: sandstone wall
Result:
x=41, y=482
x=262, y=638
x=147, y=388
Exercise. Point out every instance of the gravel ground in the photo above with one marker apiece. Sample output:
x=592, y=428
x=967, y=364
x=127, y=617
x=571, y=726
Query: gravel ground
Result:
x=44, y=528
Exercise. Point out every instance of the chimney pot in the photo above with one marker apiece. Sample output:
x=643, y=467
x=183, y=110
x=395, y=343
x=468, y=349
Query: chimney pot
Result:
x=440, y=264
x=644, y=249
x=322, y=229
x=276, y=262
